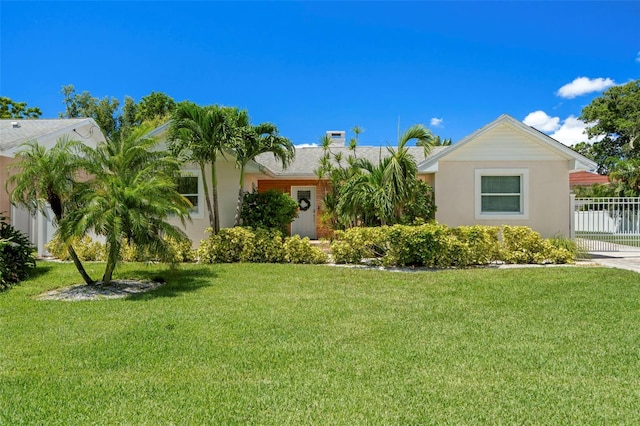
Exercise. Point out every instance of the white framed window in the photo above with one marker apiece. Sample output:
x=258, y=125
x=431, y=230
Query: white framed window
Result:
x=502, y=194
x=190, y=186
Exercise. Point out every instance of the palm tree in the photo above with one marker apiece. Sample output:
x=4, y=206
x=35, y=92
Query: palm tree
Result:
x=198, y=134
x=252, y=141
x=48, y=177
x=129, y=198
x=375, y=194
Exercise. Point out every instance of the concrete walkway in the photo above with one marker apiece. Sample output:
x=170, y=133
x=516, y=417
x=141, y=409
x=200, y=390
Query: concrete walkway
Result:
x=629, y=260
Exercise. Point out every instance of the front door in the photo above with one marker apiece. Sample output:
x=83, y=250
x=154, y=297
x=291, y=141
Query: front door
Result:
x=305, y=224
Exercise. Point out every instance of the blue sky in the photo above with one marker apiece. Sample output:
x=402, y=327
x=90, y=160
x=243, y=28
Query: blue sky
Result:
x=309, y=67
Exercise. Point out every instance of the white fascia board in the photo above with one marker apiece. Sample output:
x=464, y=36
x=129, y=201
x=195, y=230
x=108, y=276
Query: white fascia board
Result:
x=74, y=131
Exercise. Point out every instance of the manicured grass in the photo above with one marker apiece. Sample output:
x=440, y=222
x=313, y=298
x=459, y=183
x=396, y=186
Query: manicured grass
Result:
x=286, y=344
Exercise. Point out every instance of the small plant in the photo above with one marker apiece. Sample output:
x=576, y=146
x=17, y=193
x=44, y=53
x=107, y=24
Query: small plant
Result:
x=16, y=255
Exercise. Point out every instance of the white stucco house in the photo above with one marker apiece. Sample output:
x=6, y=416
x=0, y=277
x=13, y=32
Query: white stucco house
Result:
x=504, y=173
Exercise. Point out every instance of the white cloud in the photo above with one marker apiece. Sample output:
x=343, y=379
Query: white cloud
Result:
x=436, y=122
x=306, y=145
x=638, y=57
x=584, y=85
x=541, y=121
x=571, y=132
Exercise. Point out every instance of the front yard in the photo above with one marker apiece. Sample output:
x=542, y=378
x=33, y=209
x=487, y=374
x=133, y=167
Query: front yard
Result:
x=300, y=344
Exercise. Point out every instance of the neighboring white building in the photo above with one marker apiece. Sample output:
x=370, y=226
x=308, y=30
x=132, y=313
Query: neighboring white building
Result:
x=13, y=133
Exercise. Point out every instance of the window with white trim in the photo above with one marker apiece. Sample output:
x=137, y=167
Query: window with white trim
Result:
x=189, y=185
x=502, y=193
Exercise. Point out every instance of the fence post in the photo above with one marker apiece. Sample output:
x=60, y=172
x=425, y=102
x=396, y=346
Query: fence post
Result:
x=572, y=218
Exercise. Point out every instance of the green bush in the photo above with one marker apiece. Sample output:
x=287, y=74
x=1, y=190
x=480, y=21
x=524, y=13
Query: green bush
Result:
x=300, y=250
x=438, y=246
x=262, y=245
x=228, y=246
x=269, y=209
x=521, y=244
x=424, y=245
x=355, y=244
x=86, y=248
x=267, y=247
x=16, y=255
x=482, y=241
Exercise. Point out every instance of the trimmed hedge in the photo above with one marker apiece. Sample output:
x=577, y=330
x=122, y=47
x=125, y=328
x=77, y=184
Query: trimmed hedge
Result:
x=438, y=246
x=88, y=249
x=267, y=246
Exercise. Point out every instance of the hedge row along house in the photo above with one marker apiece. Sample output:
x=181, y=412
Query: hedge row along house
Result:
x=504, y=173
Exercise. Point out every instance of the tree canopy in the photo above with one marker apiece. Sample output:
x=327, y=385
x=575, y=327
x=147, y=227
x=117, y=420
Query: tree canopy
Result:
x=12, y=109
x=108, y=113
x=614, y=117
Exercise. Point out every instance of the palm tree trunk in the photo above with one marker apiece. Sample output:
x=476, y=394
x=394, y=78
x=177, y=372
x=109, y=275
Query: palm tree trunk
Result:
x=216, y=209
x=76, y=261
x=112, y=258
x=207, y=198
x=240, y=195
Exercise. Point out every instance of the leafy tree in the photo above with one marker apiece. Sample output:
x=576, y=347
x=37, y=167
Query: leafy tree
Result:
x=108, y=114
x=615, y=117
x=44, y=177
x=11, y=109
x=252, y=141
x=130, y=196
x=154, y=105
x=198, y=134
x=104, y=111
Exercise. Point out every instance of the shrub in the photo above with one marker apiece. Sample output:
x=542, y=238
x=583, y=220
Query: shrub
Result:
x=424, y=245
x=270, y=209
x=355, y=244
x=434, y=245
x=86, y=248
x=520, y=244
x=482, y=241
x=300, y=250
x=16, y=255
x=228, y=246
x=262, y=245
x=268, y=247
x=421, y=207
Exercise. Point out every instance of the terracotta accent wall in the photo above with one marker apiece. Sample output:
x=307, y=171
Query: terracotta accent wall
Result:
x=284, y=185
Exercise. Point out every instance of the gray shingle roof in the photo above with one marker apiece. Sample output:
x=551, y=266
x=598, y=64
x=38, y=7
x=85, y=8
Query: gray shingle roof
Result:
x=11, y=137
x=307, y=159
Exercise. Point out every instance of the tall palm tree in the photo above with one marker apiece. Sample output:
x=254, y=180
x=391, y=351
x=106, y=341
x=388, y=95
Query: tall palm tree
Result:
x=48, y=177
x=129, y=198
x=198, y=134
x=252, y=141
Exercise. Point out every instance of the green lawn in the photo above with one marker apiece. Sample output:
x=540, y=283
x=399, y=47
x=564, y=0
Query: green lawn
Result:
x=283, y=344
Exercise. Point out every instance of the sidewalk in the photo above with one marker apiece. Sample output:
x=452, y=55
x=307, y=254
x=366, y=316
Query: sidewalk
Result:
x=629, y=260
